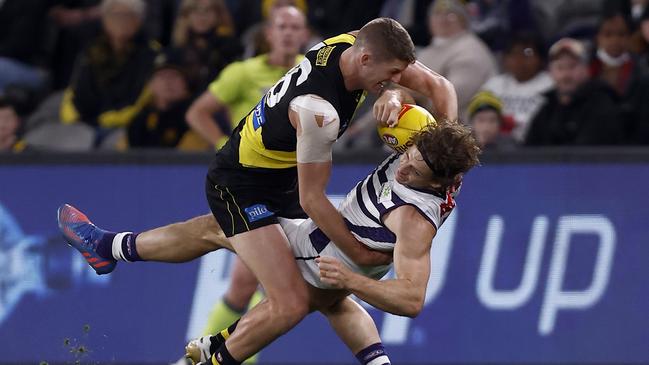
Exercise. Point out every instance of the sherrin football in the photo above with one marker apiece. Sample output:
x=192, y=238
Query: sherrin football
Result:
x=412, y=119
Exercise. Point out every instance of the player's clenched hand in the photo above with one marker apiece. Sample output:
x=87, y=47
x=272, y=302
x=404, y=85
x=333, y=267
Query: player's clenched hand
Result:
x=333, y=272
x=387, y=107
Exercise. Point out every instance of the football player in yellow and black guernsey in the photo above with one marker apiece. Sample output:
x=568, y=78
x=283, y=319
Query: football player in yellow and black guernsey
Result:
x=283, y=143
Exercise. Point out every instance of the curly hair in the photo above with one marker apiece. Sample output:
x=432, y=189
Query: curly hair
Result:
x=448, y=149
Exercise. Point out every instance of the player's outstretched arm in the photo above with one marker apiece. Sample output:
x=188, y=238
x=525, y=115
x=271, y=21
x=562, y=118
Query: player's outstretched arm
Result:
x=405, y=294
x=434, y=86
x=317, y=123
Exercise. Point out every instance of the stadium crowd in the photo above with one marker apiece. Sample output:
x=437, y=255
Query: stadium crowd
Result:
x=79, y=75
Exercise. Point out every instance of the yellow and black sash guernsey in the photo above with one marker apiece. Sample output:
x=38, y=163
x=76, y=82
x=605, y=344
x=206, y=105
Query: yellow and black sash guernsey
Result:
x=265, y=138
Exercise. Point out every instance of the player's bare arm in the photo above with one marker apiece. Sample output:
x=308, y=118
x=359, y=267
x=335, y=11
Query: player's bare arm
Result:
x=434, y=86
x=316, y=123
x=200, y=117
x=405, y=294
x=387, y=107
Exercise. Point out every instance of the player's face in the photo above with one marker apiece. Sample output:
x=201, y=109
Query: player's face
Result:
x=287, y=31
x=413, y=171
x=374, y=74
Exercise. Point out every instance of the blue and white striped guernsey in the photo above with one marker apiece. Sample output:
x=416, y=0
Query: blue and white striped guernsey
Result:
x=363, y=209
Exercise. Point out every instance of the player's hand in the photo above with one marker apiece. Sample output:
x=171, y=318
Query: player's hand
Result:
x=387, y=107
x=333, y=272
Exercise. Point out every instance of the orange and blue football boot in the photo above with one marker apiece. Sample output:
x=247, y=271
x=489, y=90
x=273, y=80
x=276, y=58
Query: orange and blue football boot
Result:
x=83, y=235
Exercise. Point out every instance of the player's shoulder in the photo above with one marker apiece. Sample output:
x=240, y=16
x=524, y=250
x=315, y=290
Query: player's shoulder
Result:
x=409, y=218
x=346, y=38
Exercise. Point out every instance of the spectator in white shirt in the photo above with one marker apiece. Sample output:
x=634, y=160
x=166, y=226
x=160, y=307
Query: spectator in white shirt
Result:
x=523, y=82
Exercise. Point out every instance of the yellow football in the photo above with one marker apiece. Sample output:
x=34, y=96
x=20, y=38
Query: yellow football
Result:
x=412, y=119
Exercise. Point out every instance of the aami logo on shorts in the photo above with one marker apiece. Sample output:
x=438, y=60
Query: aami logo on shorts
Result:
x=257, y=212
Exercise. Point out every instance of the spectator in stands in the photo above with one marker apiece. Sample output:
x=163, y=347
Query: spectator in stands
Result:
x=20, y=43
x=567, y=18
x=617, y=66
x=10, y=124
x=204, y=31
x=76, y=24
x=254, y=38
x=613, y=63
x=486, y=120
x=578, y=111
x=162, y=123
x=455, y=52
x=523, y=83
x=241, y=84
x=108, y=88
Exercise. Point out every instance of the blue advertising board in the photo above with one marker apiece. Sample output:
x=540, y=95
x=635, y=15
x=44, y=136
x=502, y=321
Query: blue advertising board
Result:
x=538, y=264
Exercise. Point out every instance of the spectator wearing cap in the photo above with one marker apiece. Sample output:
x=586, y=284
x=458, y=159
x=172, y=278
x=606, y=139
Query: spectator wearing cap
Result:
x=161, y=123
x=456, y=52
x=204, y=32
x=108, y=86
x=523, y=83
x=10, y=124
x=578, y=111
x=486, y=120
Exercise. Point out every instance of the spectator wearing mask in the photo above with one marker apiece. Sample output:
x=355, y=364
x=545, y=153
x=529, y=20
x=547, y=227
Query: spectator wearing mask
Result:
x=486, y=120
x=455, y=52
x=617, y=66
x=204, y=32
x=613, y=63
x=108, y=88
x=578, y=111
x=523, y=83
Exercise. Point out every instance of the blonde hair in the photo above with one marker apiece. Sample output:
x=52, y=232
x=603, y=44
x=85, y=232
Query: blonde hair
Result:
x=224, y=23
x=138, y=6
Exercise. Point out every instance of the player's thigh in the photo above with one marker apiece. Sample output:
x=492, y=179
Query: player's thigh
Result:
x=265, y=251
x=324, y=299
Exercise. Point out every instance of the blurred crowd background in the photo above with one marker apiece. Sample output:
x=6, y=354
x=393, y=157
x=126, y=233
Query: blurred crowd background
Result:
x=81, y=75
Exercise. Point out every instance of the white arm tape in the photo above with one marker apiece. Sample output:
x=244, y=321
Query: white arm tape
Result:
x=319, y=124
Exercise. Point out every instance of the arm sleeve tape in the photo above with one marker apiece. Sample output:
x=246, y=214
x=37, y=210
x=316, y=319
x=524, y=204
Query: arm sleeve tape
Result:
x=319, y=124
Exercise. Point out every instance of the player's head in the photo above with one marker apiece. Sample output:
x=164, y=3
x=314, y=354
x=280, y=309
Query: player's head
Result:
x=383, y=50
x=438, y=157
x=286, y=31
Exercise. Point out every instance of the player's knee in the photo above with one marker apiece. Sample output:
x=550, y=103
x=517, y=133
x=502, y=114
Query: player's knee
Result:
x=289, y=310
